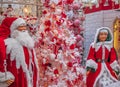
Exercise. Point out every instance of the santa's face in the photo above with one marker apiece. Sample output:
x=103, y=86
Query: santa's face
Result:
x=23, y=37
x=21, y=28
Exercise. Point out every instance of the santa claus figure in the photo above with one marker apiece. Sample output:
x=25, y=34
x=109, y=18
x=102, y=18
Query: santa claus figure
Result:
x=18, y=63
x=102, y=66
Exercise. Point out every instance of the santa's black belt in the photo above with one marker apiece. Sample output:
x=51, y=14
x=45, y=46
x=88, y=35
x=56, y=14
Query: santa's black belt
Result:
x=101, y=60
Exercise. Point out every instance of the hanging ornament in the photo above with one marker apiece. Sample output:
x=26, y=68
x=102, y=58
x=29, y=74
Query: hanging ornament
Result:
x=98, y=4
x=90, y=4
x=112, y=5
x=76, y=6
x=106, y=3
x=116, y=1
x=77, y=22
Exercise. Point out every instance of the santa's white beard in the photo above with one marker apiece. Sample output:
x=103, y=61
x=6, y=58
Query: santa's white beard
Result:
x=23, y=38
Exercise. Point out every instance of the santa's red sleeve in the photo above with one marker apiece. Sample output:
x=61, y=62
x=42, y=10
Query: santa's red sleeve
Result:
x=4, y=74
x=91, y=58
x=113, y=60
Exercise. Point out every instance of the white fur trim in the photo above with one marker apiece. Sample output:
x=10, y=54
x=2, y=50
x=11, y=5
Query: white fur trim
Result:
x=17, y=53
x=36, y=63
x=115, y=84
x=102, y=68
x=17, y=23
x=91, y=63
x=4, y=76
x=99, y=44
x=103, y=65
x=110, y=43
x=115, y=66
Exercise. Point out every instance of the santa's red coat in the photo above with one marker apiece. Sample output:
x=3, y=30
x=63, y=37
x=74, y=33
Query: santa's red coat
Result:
x=18, y=73
x=2, y=54
x=20, y=77
x=94, y=54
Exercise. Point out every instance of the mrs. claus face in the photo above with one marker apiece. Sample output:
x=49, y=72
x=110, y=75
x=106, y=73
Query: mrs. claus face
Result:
x=102, y=36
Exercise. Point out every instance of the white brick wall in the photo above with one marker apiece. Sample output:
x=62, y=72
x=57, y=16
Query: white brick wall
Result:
x=96, y=20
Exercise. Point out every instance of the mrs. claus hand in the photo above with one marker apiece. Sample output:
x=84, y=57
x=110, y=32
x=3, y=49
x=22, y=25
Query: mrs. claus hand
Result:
x=88, y=72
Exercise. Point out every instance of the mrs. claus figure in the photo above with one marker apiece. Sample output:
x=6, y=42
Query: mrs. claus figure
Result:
x=102, y=66
x=18, y=63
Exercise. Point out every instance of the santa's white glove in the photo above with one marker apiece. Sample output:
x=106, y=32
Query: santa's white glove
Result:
x=6, y=79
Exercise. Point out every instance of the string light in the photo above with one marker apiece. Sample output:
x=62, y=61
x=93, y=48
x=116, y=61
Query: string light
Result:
x=25, y=9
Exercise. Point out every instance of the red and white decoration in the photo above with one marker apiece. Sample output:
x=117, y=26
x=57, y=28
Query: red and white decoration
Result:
x=104, y=74
x=101, y=5
x=59, y=50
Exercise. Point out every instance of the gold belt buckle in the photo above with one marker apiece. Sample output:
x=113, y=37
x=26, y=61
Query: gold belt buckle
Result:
x=99, y=60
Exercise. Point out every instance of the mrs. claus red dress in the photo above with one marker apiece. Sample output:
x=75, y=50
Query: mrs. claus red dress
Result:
x=102, y=57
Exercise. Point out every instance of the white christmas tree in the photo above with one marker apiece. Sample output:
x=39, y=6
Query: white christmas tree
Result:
x=58, y=50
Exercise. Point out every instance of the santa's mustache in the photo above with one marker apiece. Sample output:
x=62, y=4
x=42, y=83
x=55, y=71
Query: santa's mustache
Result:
x=23, y=38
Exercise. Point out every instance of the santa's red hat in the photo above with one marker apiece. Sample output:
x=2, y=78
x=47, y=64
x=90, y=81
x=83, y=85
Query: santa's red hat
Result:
x=9, y=24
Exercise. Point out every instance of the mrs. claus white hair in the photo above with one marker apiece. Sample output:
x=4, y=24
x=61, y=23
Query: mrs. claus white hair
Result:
x=103, y=30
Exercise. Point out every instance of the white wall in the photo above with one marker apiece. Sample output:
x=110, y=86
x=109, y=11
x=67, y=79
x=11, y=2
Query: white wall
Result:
x=96, y=20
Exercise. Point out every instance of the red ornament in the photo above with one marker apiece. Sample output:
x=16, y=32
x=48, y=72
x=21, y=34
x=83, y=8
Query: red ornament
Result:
x=63, y=15
x=47, y=23
x=69, y=1
x=56, y=71
x=44, y=12
x=58, y=22
x=69, y=64
x=59, y=41
x=80, y=77
x=46, y=3
x=73, y=46
x=47, y=29
x=60, y=2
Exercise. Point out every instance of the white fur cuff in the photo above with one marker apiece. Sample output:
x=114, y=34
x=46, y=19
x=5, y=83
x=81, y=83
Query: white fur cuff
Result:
x=6, y=76
x=115, y=66
x=91, y=63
